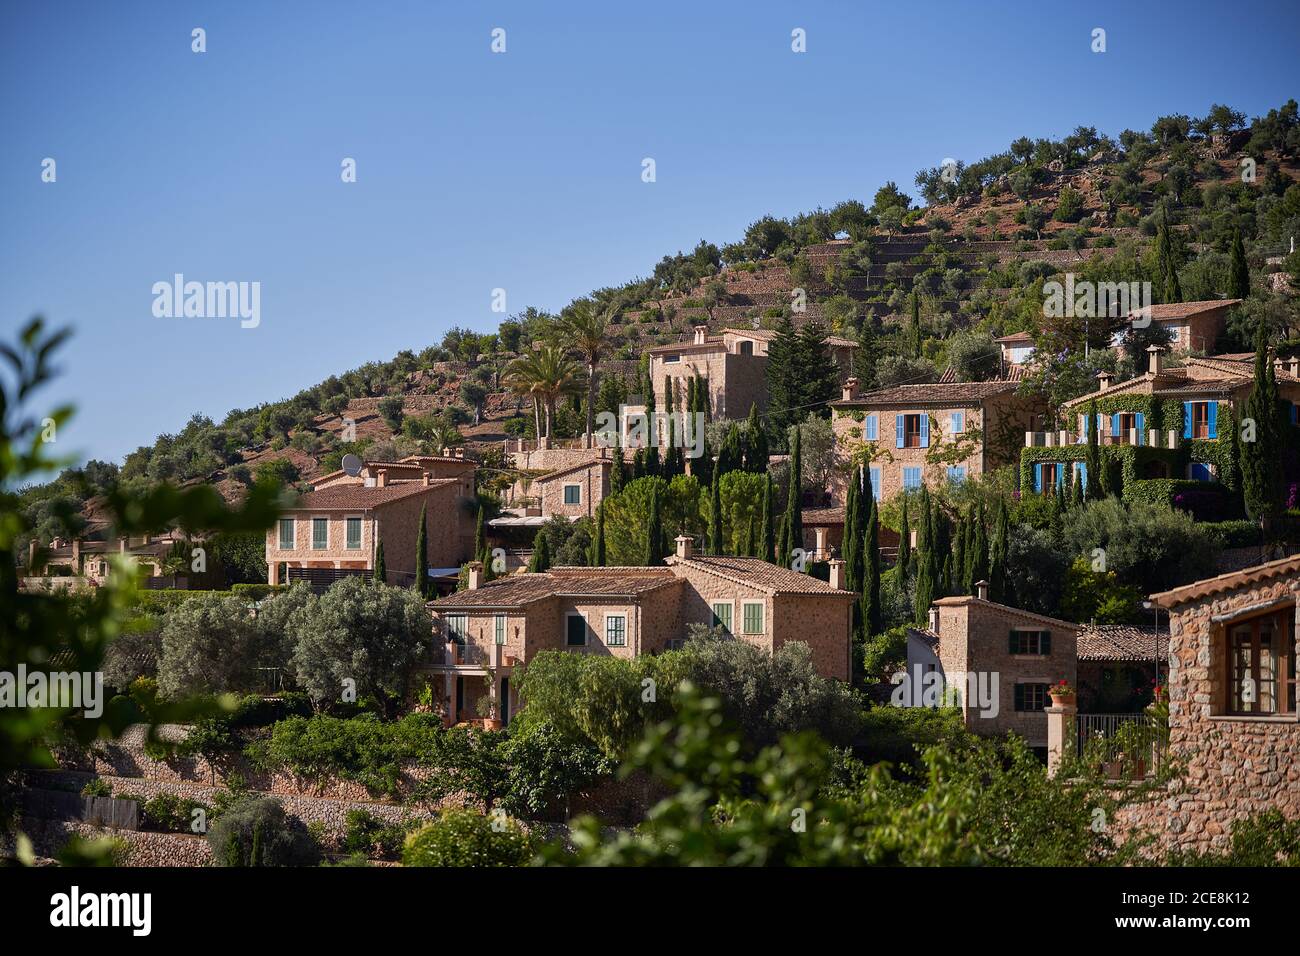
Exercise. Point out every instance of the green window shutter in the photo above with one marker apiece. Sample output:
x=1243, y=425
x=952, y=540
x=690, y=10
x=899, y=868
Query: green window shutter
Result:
x=1020, y=697
x=1012, y=645
x=1047, y=642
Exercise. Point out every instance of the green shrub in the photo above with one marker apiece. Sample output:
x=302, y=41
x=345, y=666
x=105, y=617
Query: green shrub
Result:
x=368, y=835
x=169, y=813
x=257, y=832
x=1264, y=839
x=255, y=592
x=97, y=787
x=359, y=748
x=900, y=735
x=467, y=838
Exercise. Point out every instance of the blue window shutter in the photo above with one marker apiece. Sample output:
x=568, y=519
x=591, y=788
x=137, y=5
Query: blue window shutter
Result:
x=957, y=423
x=1060, y=476
x=871, y=430
x=1294, y=409
x=1038, y=476
x=1141, y=427
x=898, y=427
x=1083, y=474
x=1114, y=425
x=1213, y=410
x=925, y=431
x=875, y=483
x=1187, y=419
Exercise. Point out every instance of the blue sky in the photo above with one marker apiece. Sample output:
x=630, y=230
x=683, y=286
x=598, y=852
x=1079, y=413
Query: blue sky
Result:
x=478, y=170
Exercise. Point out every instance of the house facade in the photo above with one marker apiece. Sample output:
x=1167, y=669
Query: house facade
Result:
x=911, y=435
x=335, y=531
x=1232, y=704
x=575, y=491
x=483, y=632
x=1192, y=326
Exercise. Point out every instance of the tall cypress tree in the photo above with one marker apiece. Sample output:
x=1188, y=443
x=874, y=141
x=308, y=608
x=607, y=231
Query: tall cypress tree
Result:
x=1261, y=459
x=914, y=328
x=904, y=544
x=715, y=516
x=731, y=456
x=767, y=538
x=541, y=559
x=650, y=463
x=422, y=556
x=756, y=450
x=959, y=563
x=1238, y=271
x=870, y=601
x=598, y=543
x=381, y=568
x=794, y=503
x=979, y=547
x=672, y=461
x=925, y=560
x=750, y=538
x=617, y=475
x=638, y=464
x=851, y=550
x=998, y=555
x=654, y=535
x=480, y=542
x=1076, y=490
x=1092, y=458
x=1171, y=291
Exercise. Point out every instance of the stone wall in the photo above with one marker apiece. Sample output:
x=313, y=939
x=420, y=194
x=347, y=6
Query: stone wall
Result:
x=142, y=848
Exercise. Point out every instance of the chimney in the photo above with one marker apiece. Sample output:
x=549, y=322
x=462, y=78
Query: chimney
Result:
x=685, y=544
x=1153, y=359
x=446, y=452
x=475, y=575
x=31, y=556
x=701, y=332
x=837, y=574
x=76, y=555
x=425, y=479
x=381, y=478
x=121, y=545
x=850, y=389
x=1103, y=381
x=1293, y=366
x=982, y=590
x=934, y=619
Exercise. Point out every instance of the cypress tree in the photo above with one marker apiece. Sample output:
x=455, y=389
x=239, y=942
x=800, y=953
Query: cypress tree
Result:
x=598, y=544
x=979, y=547
x=1076, y=490
x=422, y=556
x=672, y=461
x=654, y=535
x=749, y=538
x=904, y=544
x=1238, y=271
x=870, y=601
x=794, y=503
x=851, y=550
x=1172, y=291
x=651, y=461
x=638, y=464
x=767, y=540
x=731, y=456
x=541, y=559
x=1092, y=458
x=998, y=555
x=1261, y=458
x=480, y=544
x=715, y=516
x=617, y=477
x=957, y=580
x=756, y=451
x=925, y=560
x=381, y=569
x=914, y=328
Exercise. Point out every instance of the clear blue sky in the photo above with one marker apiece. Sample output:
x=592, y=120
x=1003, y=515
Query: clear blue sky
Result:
x=519, y=171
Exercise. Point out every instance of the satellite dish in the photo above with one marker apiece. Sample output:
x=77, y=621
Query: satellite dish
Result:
x=351, y=465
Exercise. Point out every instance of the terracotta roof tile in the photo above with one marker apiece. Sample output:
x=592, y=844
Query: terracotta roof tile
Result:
x=580, y=466
x=965, y=599
x=1122, y=642
x=760, y=574
x=1181, y=310
x=520, y=589
x=767, y=335
x=359, y=496
x=1015, y=337
x=934, y=393
x=1232, y=581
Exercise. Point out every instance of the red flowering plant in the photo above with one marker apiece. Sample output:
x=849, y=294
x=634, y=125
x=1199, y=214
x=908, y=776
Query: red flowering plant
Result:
x=1062, y=688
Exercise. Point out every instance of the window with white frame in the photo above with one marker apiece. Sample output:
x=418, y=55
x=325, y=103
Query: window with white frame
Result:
x=911, y=478
x=871, y=427
x=354, y=534
x=286, y=534
x=958, y=422
x=616, y=630
x=320, y=534
x=753, y=617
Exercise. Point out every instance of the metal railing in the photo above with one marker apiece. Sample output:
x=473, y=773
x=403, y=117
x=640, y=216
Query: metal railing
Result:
x=1121, y=746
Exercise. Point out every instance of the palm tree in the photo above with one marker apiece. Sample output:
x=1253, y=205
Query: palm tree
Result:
x=522, y=377
x=582, y=328
x=547, y=375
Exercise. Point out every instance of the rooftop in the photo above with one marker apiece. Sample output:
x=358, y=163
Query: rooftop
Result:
x=1182, y=310
x=520, y=589
x=1122, y=642
x=1232, y=581
x=758, y=573
x=347, y=497
x=933, y=393
x=964, y=600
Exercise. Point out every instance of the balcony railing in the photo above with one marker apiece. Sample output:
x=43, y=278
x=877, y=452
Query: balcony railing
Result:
x=1151, y=438
x=1121, y=746
x=452, y=654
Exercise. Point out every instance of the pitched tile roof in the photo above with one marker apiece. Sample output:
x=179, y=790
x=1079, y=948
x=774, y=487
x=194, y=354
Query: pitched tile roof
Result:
x=517, y=590
x=1181, y=310
x=767, y=335
x=1232, y=581
x=1122, y=642
x=1015, y=337
x=758, y=573
x=962, y=600
x=934, y=393
x=580, y=466
x=347, y=497
x=823, y=516
x=926, y=635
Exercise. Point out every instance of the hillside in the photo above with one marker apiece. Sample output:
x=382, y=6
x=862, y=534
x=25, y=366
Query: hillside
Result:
x=973, y=256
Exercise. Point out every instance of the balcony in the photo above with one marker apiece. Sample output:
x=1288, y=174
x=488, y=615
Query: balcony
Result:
x=1151, y=438
x=471, y=656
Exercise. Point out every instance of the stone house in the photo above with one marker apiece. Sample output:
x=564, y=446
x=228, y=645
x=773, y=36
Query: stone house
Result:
x=334, y=531
x=1232, y=704
x=1119, y=665
x=1000, y=661
x=574, y=491
x=1170, y=422
x=1192, y=326
x=930, y=434
x=1017, y=348
x=87, y=555
x=483, y=632
x=451, y=464
x=734, y=365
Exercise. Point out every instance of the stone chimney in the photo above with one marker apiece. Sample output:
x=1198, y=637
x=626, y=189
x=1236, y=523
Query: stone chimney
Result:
x=1153, y=359
x=982, y=590
x=121, y=545
x=475, y=575
x=381, y=478
x=837, y=574
x=701, y=333
x=446, y=452
x=31, y=556
x=424, y=479
x=850, y=389
x=1293, y=366
x=76, y=555
x=934, y=619
x=1103, y=381
x=685, y=546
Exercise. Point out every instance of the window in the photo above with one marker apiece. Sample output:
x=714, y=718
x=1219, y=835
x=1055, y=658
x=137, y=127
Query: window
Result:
x=354, y=534
x=1200, y=419
x=1047, y=475
x=499, y=628
x=958, y=422
x=672, y=358
x=722, y=615
x=911, y=478
x=458, y=627
x=286, y=534
x=746, y=347
x=1261, y=665
x=616, y=630
x=1200, y=471
x=575, y=631
x=753, y=617
x=912, y=431
x=1031, y=697
x=875, y=483
x=1031, y=642
x=957, y=473
x=573, y=494
x=871, y=427
x=320, y=534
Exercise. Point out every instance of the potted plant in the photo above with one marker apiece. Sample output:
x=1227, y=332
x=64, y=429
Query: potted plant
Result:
x=1062, y=692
